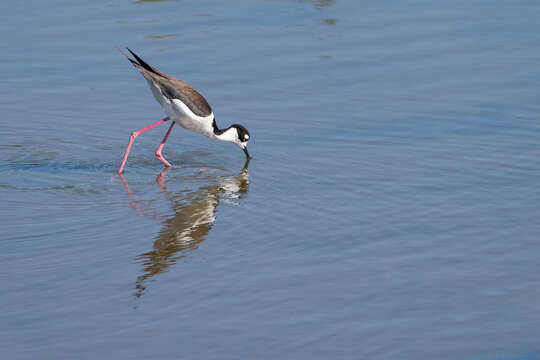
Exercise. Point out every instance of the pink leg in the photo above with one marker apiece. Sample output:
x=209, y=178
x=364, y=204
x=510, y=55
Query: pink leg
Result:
x=160, y=147
x=134, y=135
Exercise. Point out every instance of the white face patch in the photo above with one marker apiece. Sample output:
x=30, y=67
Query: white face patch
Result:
x=246, y=137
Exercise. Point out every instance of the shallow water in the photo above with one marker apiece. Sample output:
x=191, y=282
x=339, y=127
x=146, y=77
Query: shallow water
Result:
x=390, y=210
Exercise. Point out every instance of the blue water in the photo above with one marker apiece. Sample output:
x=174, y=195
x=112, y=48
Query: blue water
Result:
x=390, y=210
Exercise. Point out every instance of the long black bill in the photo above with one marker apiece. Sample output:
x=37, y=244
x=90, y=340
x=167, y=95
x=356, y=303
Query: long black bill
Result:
x=246, y=152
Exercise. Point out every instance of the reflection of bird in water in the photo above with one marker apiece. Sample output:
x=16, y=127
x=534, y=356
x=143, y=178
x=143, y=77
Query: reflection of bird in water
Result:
x=194, y=215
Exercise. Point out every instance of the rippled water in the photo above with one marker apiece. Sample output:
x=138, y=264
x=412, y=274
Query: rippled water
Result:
x=390, y=210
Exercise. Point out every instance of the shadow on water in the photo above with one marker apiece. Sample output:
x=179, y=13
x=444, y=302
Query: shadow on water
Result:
x=161, y=37
x=193, y=217
x=329, y=21
x=320, y=3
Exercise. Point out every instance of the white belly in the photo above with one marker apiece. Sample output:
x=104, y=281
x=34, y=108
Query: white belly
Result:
x=183, y=116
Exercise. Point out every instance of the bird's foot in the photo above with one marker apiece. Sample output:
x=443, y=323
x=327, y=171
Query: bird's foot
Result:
x=162, y=158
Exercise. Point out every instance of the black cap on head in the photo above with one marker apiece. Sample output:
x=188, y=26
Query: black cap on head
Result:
x=243, y=133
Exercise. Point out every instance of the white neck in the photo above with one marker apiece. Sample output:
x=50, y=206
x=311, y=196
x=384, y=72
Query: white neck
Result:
x=230, y=135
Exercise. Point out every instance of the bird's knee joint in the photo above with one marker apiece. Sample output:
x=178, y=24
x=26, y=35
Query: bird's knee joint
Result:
x=134, y=135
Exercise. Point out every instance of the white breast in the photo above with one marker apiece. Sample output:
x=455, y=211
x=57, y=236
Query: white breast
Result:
x=183, y=116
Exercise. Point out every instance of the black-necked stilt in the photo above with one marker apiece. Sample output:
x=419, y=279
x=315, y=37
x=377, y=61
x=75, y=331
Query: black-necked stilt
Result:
x=186, y=107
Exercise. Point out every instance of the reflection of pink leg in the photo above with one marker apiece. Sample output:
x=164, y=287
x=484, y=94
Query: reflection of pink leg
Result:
x=160, y=179
x=160, y=147
x=135, y=204
x=134, y=135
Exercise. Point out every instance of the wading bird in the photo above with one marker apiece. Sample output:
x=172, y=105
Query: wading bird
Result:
x=185, y=107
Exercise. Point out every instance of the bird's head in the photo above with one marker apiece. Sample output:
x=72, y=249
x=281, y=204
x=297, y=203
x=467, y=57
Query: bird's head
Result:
x=239, y=135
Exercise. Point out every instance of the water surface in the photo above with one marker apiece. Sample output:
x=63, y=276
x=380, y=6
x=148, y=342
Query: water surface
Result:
x=390, y=210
